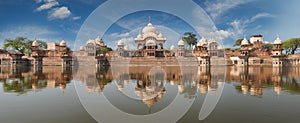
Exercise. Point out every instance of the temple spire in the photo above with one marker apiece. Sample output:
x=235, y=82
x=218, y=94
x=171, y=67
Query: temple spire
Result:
x=149, y=19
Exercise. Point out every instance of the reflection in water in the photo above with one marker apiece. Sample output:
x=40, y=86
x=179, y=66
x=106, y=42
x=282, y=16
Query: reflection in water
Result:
x=23, y=79
x=154, y=86
x=150, y=81
x=253, y=80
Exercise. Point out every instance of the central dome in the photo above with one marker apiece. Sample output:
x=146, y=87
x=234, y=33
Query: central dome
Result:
x=149, y=28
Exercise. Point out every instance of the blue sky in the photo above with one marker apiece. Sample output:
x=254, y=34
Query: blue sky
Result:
x=53, y=20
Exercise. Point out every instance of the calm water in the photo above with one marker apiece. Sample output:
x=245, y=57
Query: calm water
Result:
x=55, y=94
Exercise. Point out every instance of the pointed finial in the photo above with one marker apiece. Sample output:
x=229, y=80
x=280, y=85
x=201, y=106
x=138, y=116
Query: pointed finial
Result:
x=244, y=36
x=277, y=35
x=149, y=19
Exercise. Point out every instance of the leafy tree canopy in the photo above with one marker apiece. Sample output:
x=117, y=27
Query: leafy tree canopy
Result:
x=291, y=45
x=238, y=42
x=105, y=50
x=22, y=45
x=190, y=38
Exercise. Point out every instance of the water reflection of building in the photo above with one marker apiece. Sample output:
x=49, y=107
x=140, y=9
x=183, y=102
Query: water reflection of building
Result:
x=254, y=79
x=149, y=80
x=150, y=83
x=24, y=79
x=94, y=79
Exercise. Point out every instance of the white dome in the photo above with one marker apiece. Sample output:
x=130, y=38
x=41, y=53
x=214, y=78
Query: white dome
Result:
x=199, y=44
x=278, y=40
x=150, y=43
x=160, y=35
x=202, y=42
x=172, y=47
x=63, y=43
x=181, y=42
x=98, y=40
x=81, y=48
x=126, y=47
x=139, y=36
x=35, y=43
x=149, y=28
x=90, y=41
x=121, y=43
x=244, y=42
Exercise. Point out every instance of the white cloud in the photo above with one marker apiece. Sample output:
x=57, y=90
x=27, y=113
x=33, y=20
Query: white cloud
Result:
x=76, y=17
x=221, y=34
x=55, y=11
x=258, y=16
x=38, y=1
x=119, y=35
x=59, y=13
x=48, y=5
x=239, y=25
x=218, y=7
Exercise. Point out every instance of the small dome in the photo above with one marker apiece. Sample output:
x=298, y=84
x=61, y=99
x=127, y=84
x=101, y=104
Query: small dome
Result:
x=90, y=41
x=277, y=40
x=126, y=47
x=244, y=41
x=150, y=43
x=181, y=42
x=172, y=47
x=139, y=36
x=35, y=43
x=81, y=48
x=98, y=40
x=63, y=43
x=149, y=28
x=160, y=35
x=202, y=42
x=198, y=44
x=120, y=43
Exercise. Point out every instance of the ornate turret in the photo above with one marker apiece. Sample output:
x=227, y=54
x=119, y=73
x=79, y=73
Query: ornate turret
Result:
x=35, y=45
x=277, y=52
x=245, y=47
x=63, y=43
x=277, y=47
x=181, y=43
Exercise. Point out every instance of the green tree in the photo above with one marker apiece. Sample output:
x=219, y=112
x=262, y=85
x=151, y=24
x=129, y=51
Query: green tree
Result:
x=190, y=38
x=105, y=50
x=291, y=45
x=238, y=42
x=22, y=45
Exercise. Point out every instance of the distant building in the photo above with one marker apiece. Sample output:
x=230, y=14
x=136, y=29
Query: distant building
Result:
x=90, y=53
x=56, y=54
